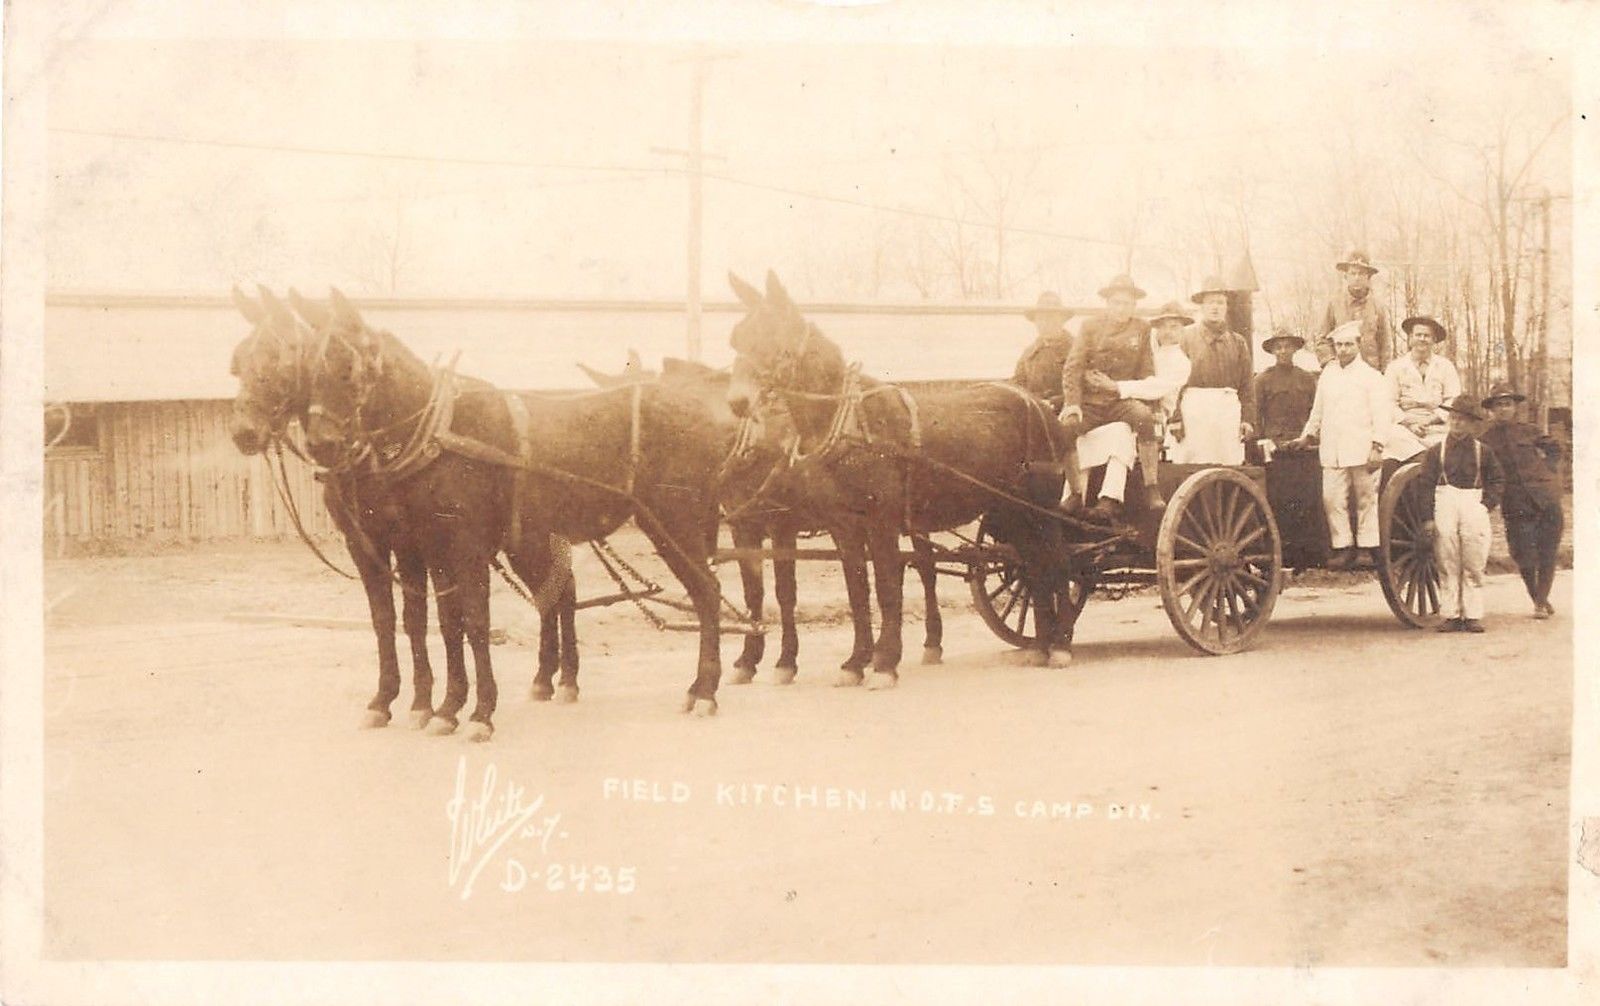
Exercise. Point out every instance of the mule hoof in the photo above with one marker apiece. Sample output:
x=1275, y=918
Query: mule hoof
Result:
x=1035, y=658
x=417, y=719
x=784, y=675
x=567, y=694
x=879, y=681
x=742, y=675
x=847, y=679
x=542, y=691
x=933, y=654
x=1060, y=658
x=477, y=732
x=705, y=707
x=374, y=719
x=438, y=726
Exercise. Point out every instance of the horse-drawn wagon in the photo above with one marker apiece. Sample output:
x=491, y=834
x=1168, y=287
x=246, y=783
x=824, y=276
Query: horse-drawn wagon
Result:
x=1219, y=552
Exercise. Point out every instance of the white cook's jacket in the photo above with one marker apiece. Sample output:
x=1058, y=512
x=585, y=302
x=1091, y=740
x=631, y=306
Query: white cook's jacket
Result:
x=1352, y=411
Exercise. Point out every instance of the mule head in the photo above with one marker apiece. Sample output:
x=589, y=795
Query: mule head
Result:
x=767, y=342
x=345, y=363
x=268, y=365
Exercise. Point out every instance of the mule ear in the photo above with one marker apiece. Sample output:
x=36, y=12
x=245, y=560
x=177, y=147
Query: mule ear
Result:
x=277, y=310
x=776, y=294
x=314, y=314
x=250, y=309
x=343, y=310
x=749, y=295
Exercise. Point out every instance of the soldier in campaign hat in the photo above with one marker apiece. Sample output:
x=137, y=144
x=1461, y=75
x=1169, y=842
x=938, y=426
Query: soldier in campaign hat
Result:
x=1357, y=304
x=1421, y=381
x=1467, y=483
x=1283, y=392
x=1039, y=368
x=1531, y=506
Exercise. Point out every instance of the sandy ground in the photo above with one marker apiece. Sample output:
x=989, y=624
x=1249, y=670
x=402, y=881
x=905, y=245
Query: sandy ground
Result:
x=1349, y=792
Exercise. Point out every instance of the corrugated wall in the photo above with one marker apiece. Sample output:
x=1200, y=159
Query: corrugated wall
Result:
x=168, y=471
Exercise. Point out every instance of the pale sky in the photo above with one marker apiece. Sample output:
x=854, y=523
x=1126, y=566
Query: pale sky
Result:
x=1108, y=132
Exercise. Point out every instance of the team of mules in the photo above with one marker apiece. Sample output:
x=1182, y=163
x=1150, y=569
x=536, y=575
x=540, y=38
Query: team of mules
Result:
x=434, y=476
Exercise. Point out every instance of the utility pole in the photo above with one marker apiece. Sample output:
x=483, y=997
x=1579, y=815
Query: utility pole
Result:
x=1543, y=355
x=695, y=158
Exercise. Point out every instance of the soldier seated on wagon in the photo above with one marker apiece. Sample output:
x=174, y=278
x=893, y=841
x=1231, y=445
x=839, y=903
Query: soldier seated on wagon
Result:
x=1421, y=383
x=1039, y=368
x=1112, y=348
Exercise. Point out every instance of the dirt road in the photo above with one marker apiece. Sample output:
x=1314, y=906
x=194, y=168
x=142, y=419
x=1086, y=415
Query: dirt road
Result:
x=1349, y=792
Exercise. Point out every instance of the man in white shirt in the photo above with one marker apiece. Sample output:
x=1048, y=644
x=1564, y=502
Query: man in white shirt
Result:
x=1350, y=418
x=1421, y=382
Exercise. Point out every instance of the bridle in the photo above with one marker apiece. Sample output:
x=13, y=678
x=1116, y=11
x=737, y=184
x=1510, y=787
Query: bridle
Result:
x=778, y=376
x=284, y=390
x=365, y=380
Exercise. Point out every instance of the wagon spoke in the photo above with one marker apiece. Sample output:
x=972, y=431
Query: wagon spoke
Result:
x=1253, y=536
x=1218, y=599
x=1203, y=550
x=1245, y=511
x=1259, y=581
x=1005, y=584
x=1432, y=587
x=1208, y=604
x=1197, y=598
x=1005, y=615
x=1184, y=587
x=1022, y=620
x=1233, y=612
x=1208, y=512
x=1411, y=592
x=1190, y=563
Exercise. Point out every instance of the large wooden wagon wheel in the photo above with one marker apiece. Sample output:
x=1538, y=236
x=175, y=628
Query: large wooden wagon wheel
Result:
x=1005, y=603
x=1406, y=566
x=1218, y=555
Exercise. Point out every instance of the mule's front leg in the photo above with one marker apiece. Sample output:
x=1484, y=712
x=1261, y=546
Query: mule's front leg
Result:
x=784, y=539
x=549, y=655
x=888, y=576
x=748, y=535
x=852, y=544
x=473, y=574
x=680, y=540
x=414, y=613
x=447, y=593
x=933, y=624
x=380, y=601
x=566, y=618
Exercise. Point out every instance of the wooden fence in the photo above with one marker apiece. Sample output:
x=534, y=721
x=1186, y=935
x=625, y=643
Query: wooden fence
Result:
x=167, y=472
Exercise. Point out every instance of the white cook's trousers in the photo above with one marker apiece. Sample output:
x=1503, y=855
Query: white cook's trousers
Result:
x=1336, y=483
x=1461, y=549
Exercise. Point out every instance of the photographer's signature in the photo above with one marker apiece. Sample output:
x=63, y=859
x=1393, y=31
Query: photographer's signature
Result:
x=485, y=821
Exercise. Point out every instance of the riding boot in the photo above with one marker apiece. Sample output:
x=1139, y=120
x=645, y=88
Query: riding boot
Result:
x=1150, y=463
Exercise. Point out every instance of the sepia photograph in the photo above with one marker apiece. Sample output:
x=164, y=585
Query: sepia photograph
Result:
x=815, y=500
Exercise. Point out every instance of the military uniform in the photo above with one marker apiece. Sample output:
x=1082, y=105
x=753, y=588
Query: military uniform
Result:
x=1283, y=397
x=1039, y=370
x=1122, y=353
x=1377, y=337
x=1531, y=506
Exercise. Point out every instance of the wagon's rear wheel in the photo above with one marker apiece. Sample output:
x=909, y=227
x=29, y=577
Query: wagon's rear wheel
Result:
x=1406, y=566
x=1005, y=603
x=1218, y=555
